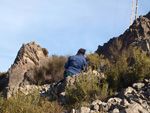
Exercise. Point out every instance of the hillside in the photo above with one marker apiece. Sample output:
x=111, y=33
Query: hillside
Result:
x=29, y=84
x=138, y=34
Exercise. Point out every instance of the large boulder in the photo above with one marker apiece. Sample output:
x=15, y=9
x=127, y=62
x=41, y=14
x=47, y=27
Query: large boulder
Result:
x=25, y=69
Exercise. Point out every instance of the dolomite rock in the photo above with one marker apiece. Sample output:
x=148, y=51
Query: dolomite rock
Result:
x=138, y=85
x=30, y=57
x=138, y=35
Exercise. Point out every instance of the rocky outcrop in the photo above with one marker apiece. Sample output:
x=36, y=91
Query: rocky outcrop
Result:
x=24, y=71
x=138, y=34
x=135, y=99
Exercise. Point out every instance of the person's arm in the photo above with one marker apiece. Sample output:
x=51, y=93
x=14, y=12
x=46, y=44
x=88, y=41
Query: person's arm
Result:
x=67, y=63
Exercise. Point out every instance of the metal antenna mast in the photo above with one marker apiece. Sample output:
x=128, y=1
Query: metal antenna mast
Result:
x=134, y=8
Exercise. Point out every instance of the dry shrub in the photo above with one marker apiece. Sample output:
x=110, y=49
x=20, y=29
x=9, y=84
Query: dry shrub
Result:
x=28, y=104
x=52, y=70
x=56, y=67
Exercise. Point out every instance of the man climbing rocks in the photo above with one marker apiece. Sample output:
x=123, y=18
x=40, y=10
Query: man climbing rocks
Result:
x=75, y=64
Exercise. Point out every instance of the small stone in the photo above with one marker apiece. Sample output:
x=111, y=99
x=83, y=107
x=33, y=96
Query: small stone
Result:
x=146, y=81
x=92, y=111
x=96, y=107
x=114, y=100
x=73, y=111
x=138, y=85
x=63, y=94
x=65, y=111
x=128, y=92
x=115, y=110
x=84, y=110
x=96, y=102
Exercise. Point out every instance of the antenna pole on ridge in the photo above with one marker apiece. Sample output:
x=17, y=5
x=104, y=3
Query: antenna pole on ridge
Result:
x=136, y=10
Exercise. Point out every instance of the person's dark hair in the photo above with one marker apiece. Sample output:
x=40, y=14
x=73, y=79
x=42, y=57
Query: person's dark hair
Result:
x=81, y=51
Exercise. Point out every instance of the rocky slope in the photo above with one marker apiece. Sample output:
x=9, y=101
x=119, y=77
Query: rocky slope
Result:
x=135, y=99
x=138, y=34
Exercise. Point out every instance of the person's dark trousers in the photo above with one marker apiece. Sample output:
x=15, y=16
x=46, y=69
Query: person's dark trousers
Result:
x=66, y=73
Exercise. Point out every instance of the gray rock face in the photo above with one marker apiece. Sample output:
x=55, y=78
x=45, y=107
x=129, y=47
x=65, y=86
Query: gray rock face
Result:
x=138, y=34
x=30, y=58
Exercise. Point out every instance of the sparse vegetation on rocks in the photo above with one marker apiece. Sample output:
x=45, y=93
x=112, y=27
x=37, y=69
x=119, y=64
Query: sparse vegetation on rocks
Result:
x=128, y=70
x=32, y=103
x=86, y=88
x=117, y=80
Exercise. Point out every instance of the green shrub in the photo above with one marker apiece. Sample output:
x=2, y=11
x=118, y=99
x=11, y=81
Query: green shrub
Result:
x=2, y=74
x=128, y=70
x=141, y=66
x=28, y=104
x=86, y=89
x=96, y=62
x=115, y=74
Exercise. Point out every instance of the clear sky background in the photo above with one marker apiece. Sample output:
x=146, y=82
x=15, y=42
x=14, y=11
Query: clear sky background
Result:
x=62, y=26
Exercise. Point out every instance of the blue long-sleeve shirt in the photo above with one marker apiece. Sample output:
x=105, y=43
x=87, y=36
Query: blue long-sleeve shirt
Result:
x=76, y=63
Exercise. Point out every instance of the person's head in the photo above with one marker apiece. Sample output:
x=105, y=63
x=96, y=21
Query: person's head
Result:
x=81, y=51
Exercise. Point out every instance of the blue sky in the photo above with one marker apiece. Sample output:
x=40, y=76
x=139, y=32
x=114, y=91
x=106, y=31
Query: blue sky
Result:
x=62, y=26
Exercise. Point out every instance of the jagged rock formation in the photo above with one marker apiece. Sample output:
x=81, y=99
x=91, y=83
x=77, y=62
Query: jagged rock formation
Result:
x=23, y=72
x=138, y=34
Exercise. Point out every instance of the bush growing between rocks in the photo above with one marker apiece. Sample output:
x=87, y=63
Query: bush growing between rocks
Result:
x=28, y=104
x=96, y=62
x=2, y=74
x=86, y=89
x=128, y=70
